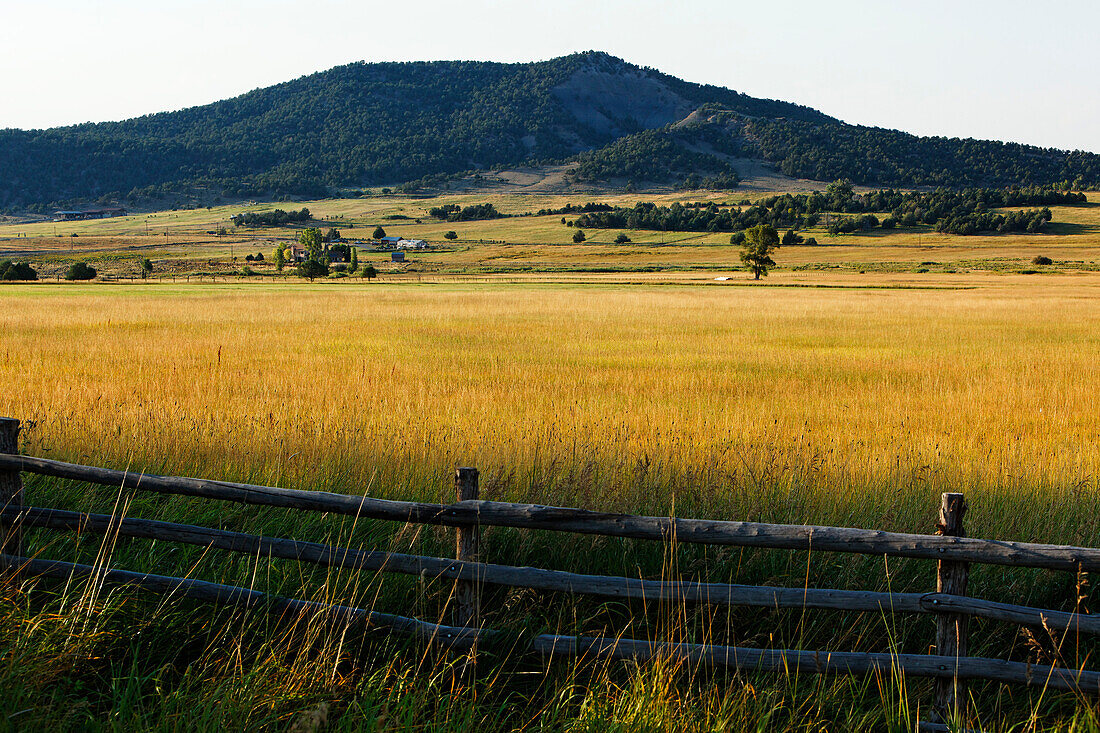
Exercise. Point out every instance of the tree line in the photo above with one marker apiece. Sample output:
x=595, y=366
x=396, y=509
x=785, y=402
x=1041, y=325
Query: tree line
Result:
x=275, y=218
x=474, y=212
x=956, y=212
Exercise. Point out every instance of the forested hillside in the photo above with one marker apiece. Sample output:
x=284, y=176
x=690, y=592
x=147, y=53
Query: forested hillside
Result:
x=361, y=124
x=826, y=150
x=383, y=124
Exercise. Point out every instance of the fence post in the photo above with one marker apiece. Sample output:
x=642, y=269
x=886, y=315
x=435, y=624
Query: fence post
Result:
x=467, y=593
x=11, y=488
x=951, y=628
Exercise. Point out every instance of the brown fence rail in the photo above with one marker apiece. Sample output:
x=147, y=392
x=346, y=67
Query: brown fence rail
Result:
x=467, y=513
x=950, y=667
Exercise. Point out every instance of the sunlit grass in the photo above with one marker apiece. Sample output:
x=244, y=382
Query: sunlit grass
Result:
x=848, y=407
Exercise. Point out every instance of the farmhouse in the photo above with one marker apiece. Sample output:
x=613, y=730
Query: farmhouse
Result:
x=89, y=214
x=412, y=244
x=389, y=241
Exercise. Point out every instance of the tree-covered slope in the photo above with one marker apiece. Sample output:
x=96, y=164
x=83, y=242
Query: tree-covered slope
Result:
x=362, y=124
x=377, y=124
x=825, y=150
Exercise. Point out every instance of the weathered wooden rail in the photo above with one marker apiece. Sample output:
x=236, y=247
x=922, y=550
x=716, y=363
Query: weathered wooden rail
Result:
x=950, y=666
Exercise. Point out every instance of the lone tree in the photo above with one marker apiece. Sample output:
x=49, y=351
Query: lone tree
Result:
x=578, y=236
x=622, y=238
x=146, y=267
x=379, y=232
x=280, y=258
x=452, y=235
x=760, y=242
x=369, y=272
x=354, y=265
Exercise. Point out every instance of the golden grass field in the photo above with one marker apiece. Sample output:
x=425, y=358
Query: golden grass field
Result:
x=821, y=396
x=672, y=392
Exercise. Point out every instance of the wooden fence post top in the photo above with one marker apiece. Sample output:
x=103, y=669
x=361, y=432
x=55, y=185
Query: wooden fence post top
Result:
x=952, y=510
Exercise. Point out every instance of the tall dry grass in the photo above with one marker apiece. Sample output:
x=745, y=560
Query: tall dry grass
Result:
x=851, y=407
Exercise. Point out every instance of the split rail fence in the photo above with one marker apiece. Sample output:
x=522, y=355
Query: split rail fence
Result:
x=951, y=666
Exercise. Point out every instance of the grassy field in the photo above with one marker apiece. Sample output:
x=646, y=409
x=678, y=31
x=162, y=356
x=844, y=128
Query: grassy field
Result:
x=851, y=400
x=186, y=241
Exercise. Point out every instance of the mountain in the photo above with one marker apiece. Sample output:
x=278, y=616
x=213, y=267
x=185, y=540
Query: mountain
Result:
x=385, y=123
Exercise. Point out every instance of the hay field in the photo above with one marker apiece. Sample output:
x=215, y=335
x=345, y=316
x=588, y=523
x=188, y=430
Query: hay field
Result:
x=988, y=389
x=853, y=406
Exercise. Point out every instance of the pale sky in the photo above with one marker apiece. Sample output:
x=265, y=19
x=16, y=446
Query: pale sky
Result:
x=1002, y=69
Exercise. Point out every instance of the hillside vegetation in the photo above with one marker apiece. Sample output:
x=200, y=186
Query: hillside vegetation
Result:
x=955, y=212
x=385, y=124
x=362, y=124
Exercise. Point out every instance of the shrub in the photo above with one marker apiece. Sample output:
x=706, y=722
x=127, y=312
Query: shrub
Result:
x=578, y=236
x=737, y=238
x=622, y=238
x=80, y=271
x=791, y=237
x=451, y=235
x=1042, y=260
x=17, y=271
x=311, y=269
x=247, y=271
x=249, y=258
x=811, y=241
x=259, y=257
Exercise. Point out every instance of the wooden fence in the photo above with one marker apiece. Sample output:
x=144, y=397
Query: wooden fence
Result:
x=953, y=551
